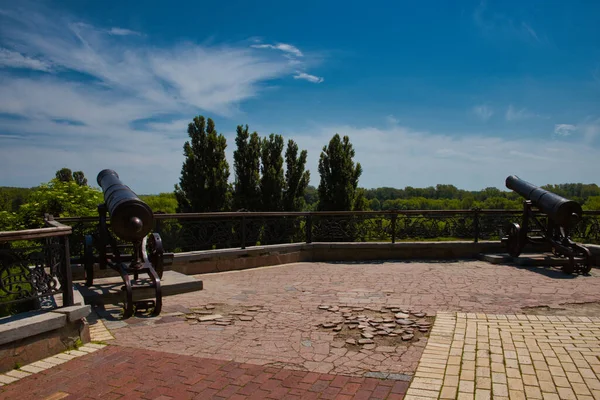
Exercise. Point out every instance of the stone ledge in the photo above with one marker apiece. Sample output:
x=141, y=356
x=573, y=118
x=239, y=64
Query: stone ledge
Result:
x=209, y=261
x=29, y=324
x=74, y=313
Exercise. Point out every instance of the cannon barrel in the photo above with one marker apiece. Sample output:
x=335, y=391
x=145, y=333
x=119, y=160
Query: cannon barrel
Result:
x=130, y=218
x=564, y=212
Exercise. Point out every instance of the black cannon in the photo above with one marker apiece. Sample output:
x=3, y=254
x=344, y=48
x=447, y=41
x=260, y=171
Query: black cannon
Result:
x=561, y=216
x=130, y=220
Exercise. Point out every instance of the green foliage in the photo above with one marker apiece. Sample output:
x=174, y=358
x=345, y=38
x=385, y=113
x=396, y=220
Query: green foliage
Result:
x=360, y=201
x=79, y=178
x=592, y=203
x=203, y=185
x=64, y=175
x=61, y=199
x=246, y=159
x=339, y=175
x=296, y=178
x=11, y=198
x=163, y=202
x=311, y=198
x=272, y=179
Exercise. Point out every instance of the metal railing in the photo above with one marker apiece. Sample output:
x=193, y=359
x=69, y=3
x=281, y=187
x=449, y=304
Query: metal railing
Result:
x=203, y=231
x=34, y=267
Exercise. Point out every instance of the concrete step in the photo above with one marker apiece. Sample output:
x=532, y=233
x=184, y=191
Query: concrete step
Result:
x=108, y=290
x=525, y=260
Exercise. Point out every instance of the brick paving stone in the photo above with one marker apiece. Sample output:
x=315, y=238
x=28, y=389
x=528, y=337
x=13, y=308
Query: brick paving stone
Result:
x=539, y=367
x=279, y=333
x=121, y=372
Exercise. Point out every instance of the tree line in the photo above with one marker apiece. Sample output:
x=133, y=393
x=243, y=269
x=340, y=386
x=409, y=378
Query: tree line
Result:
x=268, y=174
x=260, y=181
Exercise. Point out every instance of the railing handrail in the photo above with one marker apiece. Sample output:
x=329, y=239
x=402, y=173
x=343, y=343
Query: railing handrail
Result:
x=258, y=214
x=38, y=233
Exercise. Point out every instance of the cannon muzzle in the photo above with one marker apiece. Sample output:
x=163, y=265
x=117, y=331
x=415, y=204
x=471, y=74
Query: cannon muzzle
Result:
x=564, y=212
x=130, y=218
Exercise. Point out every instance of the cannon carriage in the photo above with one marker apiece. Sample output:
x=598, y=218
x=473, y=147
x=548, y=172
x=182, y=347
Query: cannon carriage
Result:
x=561, y=217
x=124, y=242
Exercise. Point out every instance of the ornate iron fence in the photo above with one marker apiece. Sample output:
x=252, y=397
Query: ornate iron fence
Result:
x=204, y=231
x=35, y=266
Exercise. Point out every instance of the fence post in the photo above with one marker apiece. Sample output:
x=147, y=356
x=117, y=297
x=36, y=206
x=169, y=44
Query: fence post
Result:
x=243, y=231
x=308, y=228
x=394, y=217
x=68, y=277
x=476, y=224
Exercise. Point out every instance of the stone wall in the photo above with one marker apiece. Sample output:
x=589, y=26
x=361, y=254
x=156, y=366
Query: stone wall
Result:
x=200, y=262
x=34, y=348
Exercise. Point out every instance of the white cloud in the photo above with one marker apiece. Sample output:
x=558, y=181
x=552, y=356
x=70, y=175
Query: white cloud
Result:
x=90, y=120
x=530, y=31
x=564, y=129
x=123, y=32
x=390, y=119
x=483, y=112
x=308, y=77
x=393, y=155
x=512, y=114
x=286, y=48
x=13, y=59
x=492, y=20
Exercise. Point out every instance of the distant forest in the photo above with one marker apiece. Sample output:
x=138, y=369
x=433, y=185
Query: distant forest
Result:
x=440, y=197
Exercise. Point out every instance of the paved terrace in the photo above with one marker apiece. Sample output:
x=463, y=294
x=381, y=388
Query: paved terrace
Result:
x=292, y=331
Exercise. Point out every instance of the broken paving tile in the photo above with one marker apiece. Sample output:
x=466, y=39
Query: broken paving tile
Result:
x=211, y=317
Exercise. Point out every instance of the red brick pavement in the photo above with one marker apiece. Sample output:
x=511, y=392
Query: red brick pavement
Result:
x=286, y=333
x=117, y=372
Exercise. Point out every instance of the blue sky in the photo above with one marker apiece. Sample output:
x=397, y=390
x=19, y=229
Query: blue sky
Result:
x=429, y=92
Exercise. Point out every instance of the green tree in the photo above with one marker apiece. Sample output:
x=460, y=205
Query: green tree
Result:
x=246, y=161
x=79, y=178
x=360, y=200
x=203, y=185
x=339, y=175
x=163, y=202
x=61, y=199
x=296, y=178
x=272, y=180
x=64, y=175
x=374, y=204
x=592, y=203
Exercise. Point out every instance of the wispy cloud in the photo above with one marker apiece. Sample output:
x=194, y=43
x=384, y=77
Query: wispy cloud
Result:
x=118, y=80
x=390, y=119
x=530, y=30
x=286, y=48
x=512, y=114
x=468, y=161
x=587, y=131
x=483, y=112
x=494, y=21
x=564, y=129
x=123, y=32
x=308, y=77
x=14, y=59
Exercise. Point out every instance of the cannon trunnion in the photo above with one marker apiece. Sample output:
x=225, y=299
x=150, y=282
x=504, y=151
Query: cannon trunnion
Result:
x=561, y=216
x=124, y=216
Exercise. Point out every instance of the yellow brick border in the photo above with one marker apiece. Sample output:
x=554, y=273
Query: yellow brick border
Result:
x=483, y=356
